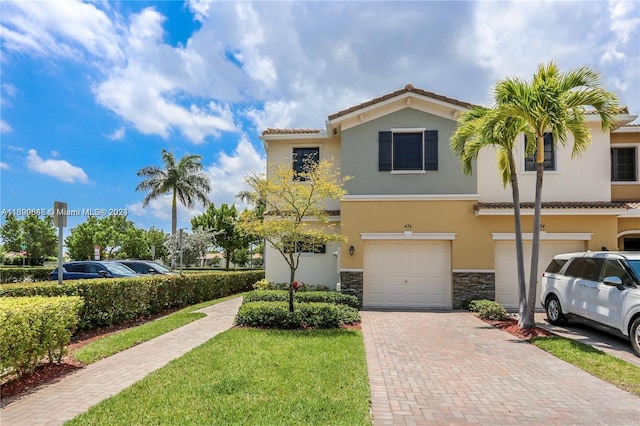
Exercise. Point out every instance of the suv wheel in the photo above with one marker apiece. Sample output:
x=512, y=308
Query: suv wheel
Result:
x=554, y=311
x=634, y=335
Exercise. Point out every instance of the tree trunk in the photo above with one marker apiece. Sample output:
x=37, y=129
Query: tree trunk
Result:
x=522, y=288
x=529, y=321
x=174, y=225
x=227, y=259
x=291, y=280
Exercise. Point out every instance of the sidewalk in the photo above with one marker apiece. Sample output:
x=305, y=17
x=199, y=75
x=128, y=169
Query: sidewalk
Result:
x=56, y=403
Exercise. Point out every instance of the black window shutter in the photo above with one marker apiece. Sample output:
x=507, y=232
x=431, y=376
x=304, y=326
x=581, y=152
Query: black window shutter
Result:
x=384, y=151
x=431, y=150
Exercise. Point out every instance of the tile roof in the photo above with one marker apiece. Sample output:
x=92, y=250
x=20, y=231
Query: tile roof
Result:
x=621, y=110
x=407, y=88
x=273, y=131
x=328, y=212
x=559, y=205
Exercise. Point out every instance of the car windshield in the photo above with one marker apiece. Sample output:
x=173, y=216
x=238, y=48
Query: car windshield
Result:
x=161, y=268
x=635, y=265
x=119, y=268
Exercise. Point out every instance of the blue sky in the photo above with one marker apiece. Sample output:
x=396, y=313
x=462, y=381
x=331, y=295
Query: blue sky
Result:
x=93, y=91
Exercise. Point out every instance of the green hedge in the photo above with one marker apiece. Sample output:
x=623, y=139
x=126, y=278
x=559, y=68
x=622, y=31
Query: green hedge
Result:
x=113, y=301
x=18, y=275
x=34, y=327
x=303, y=297
x=277, y=315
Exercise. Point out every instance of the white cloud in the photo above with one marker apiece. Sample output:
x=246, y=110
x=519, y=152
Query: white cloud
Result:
x=278, y=114
x=229, y=171
x=64, y=29
x=4, y=166
x=155, y=90
x=5, y=127
x=117, y=134
x=59, y=169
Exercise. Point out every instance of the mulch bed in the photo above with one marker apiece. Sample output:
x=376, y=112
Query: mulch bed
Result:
x=45, y=373
x=510, y=325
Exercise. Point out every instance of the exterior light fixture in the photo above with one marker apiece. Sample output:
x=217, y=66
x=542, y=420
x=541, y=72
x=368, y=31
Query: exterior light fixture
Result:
x=352, y=249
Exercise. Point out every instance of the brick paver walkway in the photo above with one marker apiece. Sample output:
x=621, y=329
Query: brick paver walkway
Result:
x=452, y=368
x=73, y=395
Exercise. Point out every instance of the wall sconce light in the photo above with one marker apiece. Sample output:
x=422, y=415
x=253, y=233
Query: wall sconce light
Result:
x=352, y=249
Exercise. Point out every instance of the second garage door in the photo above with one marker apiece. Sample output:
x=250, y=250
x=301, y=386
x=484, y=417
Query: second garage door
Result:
x=412, y=274
x=506, y=267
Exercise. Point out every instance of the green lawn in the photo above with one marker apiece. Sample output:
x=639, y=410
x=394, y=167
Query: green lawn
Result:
x=251, y=377
x=620, y=373
x=125, y=339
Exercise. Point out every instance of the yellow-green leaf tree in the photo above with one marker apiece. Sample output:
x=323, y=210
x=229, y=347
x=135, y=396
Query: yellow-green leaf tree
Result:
x=295, y=218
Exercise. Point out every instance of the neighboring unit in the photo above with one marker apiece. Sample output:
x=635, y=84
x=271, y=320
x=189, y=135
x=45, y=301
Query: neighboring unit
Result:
x=424, y=235
x=92, y=269
x=601, y=287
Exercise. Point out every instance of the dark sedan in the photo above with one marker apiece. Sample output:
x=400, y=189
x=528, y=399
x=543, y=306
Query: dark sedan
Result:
x=87, y=269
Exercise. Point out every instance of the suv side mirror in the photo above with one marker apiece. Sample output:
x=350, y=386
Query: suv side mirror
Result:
x=613, y=281
x=103, y=273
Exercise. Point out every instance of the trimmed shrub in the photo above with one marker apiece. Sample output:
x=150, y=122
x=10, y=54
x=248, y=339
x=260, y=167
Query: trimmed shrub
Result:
x=304, y=297
x=34, y=327
x=263, y=284
x=113, y=301
x=488, y=309
x=277, y=315
x=19, y=275
x=268, y=285
x=268, y=314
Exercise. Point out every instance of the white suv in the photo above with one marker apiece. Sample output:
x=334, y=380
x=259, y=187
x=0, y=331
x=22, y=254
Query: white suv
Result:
x=602, y=287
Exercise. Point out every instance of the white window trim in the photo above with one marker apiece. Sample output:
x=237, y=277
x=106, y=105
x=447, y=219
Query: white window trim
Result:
x=637, y=147
x=420, y=130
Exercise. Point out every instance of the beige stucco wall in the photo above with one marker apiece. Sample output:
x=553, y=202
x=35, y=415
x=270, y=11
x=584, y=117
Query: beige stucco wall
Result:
x=568, y=182
x=628, y=227
x=473, y=246
x=626, y=192
x=281, y=151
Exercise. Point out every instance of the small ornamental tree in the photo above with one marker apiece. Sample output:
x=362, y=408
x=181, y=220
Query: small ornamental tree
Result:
x=295, y=218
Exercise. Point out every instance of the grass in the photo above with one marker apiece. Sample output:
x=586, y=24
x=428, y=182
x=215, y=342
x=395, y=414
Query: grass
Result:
x=620, y=373
x=125, y=339
x=251, y=377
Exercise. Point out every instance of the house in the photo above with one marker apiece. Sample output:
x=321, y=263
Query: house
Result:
x=424, y=235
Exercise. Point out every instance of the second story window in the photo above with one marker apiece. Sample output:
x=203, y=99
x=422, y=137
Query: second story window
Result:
x=549, y=155
x=624, y=166
x=303, y=158
x=408, y=150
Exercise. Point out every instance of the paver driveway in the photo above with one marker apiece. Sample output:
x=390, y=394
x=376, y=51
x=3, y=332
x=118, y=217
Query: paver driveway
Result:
x=452, y=368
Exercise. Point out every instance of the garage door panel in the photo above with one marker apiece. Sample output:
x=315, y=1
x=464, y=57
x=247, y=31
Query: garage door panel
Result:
x=407, y=274
x=506, y=266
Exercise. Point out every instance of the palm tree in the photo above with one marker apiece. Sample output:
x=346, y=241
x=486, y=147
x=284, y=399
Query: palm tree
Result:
x=553, y=102
x=483, y=127
x=184, y=180
x=252, y=196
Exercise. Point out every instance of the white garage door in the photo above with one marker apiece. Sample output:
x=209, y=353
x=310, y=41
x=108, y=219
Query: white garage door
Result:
x=506, y=267
x=412, y=274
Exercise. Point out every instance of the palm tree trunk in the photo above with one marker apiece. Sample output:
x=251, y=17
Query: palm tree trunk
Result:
x=522, y=288
x=174, y=225
x=529, y=321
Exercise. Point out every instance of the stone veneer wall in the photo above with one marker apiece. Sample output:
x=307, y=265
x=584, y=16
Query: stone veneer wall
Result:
x=473, y=285
x=351, y=283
